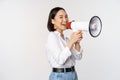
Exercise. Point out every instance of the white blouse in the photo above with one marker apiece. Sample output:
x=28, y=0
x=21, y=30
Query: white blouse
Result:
x=58, y=54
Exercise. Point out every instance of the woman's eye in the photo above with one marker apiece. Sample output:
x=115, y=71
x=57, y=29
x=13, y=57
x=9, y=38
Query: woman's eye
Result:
x=61, y=17
x=66, y=16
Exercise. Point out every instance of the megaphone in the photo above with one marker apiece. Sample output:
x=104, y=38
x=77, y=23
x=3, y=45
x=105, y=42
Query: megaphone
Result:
x=94, y=26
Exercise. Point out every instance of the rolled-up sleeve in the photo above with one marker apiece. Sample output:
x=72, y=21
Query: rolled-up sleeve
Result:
x=77, y=54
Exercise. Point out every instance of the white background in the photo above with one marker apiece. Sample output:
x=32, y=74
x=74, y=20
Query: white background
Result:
x=23, y=33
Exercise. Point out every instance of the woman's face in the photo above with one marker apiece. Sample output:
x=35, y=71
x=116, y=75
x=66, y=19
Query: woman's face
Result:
x=60, y=20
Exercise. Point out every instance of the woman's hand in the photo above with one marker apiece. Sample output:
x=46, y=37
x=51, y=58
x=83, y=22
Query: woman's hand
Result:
x=76, y=37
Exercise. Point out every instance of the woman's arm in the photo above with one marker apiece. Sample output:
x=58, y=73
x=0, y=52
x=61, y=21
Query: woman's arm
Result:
x=77, y=46
x=76, y=37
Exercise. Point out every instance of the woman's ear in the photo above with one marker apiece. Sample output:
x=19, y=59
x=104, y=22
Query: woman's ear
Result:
x=52, y=21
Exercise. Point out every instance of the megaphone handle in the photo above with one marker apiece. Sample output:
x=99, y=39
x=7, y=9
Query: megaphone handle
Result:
x=74, y=30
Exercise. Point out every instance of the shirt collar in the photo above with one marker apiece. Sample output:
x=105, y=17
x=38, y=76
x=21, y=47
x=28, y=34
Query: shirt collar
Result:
x=59, y=34
x=56, y=32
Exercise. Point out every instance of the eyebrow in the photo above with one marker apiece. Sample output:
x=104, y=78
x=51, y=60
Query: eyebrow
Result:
x=63, y=15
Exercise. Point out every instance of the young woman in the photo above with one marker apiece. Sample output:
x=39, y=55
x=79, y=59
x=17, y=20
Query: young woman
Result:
x=61, y=51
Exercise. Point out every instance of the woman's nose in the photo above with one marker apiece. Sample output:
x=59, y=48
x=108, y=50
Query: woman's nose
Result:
x=65, y=19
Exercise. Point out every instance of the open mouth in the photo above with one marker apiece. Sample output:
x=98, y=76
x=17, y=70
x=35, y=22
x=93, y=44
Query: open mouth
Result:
x=64, y=24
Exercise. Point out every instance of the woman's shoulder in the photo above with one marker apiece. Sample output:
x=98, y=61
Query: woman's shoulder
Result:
x=52, y=35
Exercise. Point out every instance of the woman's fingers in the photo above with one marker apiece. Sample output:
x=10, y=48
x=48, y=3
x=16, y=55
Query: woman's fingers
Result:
x=76, y=36
x=78, y=32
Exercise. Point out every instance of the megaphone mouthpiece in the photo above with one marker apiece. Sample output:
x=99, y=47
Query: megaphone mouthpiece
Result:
x=69, y=25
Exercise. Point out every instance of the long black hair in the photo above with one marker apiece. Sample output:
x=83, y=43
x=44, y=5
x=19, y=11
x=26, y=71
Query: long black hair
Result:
x=52, y=15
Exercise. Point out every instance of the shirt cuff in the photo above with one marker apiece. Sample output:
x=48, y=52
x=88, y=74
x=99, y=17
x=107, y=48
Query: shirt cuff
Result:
x=78, y=52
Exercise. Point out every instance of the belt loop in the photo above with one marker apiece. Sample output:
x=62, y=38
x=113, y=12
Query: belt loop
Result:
x=72, y=68
x=64, y=70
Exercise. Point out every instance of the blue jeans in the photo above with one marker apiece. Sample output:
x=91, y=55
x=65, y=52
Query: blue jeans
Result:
x=63, y=76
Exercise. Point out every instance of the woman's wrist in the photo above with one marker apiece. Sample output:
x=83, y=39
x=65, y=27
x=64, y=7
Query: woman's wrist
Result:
x=70, y=45
x=77, y=46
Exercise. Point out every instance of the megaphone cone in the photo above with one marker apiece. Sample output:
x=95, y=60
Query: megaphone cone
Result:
x=94, y=26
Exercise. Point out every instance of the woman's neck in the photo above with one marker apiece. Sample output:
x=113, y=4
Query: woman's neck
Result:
x=62, y=35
